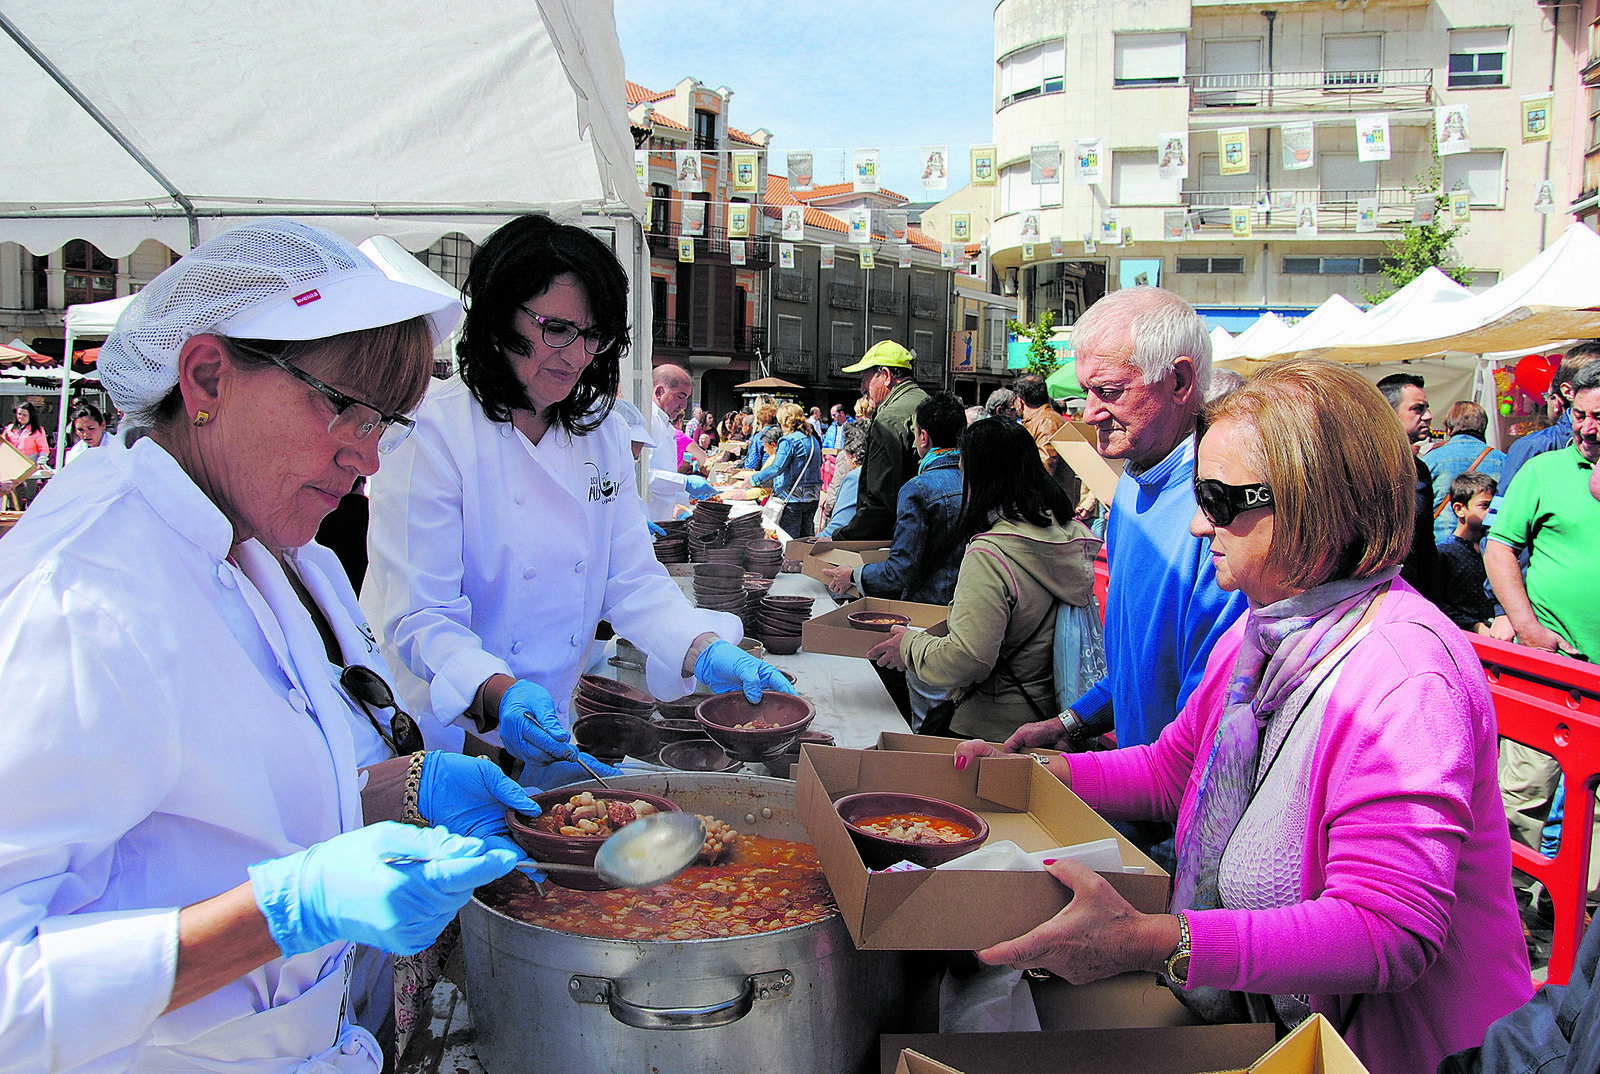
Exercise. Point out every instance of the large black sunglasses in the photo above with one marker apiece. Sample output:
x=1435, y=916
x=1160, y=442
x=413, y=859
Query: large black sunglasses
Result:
x=1224, y=503
x=368, y=687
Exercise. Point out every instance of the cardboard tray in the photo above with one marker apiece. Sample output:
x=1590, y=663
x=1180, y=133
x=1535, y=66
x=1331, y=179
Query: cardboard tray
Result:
x=832, y=633
x=812, y=566
x=1075, y=442
x=1313, y=1048
x=808, y=546
x=942, y=909
x=14, y=465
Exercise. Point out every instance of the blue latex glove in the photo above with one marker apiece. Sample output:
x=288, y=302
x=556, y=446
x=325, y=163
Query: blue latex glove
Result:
x=469, y=796
x=547, y=777
x=529, y=727
x=723, y=667
x=346, y=889
x=699, y=488
x=655, y=530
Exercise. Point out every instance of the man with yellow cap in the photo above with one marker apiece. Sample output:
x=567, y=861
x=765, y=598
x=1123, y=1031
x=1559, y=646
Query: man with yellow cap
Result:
x=891, y=458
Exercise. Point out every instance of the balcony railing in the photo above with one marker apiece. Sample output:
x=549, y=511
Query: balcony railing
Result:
x=844, y=296
x=794, y=360
x=1336, y=209
x=792, y=287
x=837, y=360
x=925, y=305
x=887, y=301
x=670, y=333
x=663, y=239
x=749, y=339
x=1317, y=90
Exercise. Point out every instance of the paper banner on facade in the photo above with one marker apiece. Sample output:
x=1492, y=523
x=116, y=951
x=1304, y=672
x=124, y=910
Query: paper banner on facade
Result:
x=1239, y=221
x=1030, y=228
x=736, y=251
x=1372, y=138
x=794, y=223
x=961, y=226
x=1110, y=227
x=694, y=218
x=1044, y=163
x=825, y=255
x=786, y=255
x=947, y=255
x=984, y=168
x=689, y=178
x=1088, y=242
x=904, y=251
x=738, y=221
x=860, y=225
x=1544, y=197
x=685, y=250
x=1057, y=247
x=1126, y=238
x=1283, y=201
x=1366, y=214
x=1088, y=155
x=1233, y=151
x=1424, y=210
x=1536, y=117
x=867, y=259
x=897, y=223
x=1175, y=225
x=641, y=168
x=1460, y=206
x=1173, y=159
x=1027, y=252
x=865, y=171
x=1450, y=129
x=744, y=173
x=800, y=173
x=1305, y=222
x=1299, y=146
x=935, y=167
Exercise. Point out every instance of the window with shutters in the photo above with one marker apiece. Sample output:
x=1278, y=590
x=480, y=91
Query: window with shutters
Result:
x=1211, y=266
x=1018, y=192
x=1136, y=179
x=449, y=258
x=705, y=129
x=844, y=338
x=1033, y=71
x=1230, y=73
x=660, y=208
x=1148, y=59
x=90, y=275
x=1332, y=266
x=1344, y=177
x=791, y=332
x=1478, y=58
x=1352, y=60
x=1481, y=171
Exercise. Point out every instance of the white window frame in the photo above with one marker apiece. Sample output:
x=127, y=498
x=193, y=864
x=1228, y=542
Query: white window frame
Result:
x=1150, y=59
x=1033, y=71
x=1329, y=161
x=1246, y=87
x=1483, y=41
x=1136, y=179
x=1018, y=193
x=1350, y=77
x=796, y=330
x=849, y=328
x=1474, y=170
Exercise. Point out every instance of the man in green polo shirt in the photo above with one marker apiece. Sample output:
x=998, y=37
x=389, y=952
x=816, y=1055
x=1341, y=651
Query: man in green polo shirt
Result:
x=1549, y=511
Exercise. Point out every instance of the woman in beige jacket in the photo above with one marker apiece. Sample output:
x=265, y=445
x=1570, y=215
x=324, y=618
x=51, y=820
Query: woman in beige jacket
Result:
x=1025, y=557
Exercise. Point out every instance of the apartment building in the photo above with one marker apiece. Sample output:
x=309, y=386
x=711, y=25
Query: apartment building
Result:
x=1256, y=234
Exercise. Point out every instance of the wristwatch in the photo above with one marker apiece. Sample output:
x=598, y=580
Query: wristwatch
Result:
x=1178, y=961
x=1078, y=735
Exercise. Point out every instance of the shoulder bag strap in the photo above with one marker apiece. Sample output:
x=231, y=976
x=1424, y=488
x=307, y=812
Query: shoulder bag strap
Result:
x=1437, y=511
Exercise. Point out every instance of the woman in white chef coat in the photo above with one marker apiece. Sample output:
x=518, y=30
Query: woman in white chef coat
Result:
x=510, y=524
x=185, y=860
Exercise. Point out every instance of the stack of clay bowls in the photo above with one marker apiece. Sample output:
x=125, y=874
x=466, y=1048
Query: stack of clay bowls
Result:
x=720, y=587
x=674, y=547
x=708, y=528
x=596, y=693
x=778, y=622
x=613, y=719
x=755, y=587
x=744, y=528
x=763, y=556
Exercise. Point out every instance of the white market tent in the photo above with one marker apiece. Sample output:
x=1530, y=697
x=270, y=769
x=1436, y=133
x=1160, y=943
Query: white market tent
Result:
x=175, y=120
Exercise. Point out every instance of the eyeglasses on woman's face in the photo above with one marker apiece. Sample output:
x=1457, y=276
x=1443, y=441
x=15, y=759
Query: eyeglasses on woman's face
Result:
x=353, y=421
x=557, y=333
x=1223, y=503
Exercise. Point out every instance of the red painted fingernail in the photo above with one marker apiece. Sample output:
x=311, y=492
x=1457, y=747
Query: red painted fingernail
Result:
x=961, y=764
x=1049, y=861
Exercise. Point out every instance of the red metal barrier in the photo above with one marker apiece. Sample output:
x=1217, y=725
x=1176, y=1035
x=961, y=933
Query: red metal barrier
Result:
x=1102, y=581
x=1552, y=703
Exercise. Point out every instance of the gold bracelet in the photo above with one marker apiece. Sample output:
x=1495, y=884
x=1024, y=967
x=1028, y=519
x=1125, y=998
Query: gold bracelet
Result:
x=412, y=814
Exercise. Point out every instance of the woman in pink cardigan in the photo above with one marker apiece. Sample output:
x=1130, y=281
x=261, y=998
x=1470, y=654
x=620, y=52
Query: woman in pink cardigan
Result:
x=1341, y=844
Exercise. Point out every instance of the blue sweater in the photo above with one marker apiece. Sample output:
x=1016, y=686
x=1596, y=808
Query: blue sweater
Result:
x=1164, y=610
x=925, y=520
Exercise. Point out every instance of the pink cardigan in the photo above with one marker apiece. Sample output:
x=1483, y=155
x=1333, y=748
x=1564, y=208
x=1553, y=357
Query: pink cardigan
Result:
x=1406, y=870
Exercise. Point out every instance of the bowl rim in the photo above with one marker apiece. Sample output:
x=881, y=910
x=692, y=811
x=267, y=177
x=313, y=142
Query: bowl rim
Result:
x=516, y=820
x=798, y=725
x=977, y=823
x=682, y=745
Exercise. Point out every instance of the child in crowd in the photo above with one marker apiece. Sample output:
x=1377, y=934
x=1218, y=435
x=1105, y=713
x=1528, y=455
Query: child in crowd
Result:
x=1462, y=593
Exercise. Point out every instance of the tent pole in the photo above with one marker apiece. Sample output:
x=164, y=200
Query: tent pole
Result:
x=1487, y=399
x=66, y=389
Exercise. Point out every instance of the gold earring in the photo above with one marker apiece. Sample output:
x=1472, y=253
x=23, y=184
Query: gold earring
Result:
x=201, y=417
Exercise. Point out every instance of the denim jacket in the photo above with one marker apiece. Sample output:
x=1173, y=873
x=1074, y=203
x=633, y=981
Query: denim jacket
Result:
x=925, y=521
x=795, y=470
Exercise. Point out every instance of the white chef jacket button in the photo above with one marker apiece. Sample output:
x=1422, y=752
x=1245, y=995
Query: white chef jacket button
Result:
x=298, y=700
x=225, y=576
x=505, y=430
x=516, y=647
x=579, y=567
x=522, y=497
x=350, y=1047
x=576, y=641
x=528, y=574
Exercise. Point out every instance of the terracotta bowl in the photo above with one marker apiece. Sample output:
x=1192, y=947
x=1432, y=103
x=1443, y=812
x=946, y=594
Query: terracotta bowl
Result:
x=764, y=547
x=782, y=645
x=753, y=647
x=677, y=730
x=877, y=621
x=880, y=852
x=611, y=736
x=681, y=709
x=705, y=571
x=790, y=601
x=571, y=849
x=600, y=688
x=720, y=716
x=697, y=755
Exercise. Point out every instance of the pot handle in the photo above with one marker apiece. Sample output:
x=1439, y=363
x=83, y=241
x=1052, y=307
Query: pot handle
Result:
x=759, y=986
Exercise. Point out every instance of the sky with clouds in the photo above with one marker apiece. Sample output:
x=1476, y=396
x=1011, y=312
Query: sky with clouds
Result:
x=831, y=77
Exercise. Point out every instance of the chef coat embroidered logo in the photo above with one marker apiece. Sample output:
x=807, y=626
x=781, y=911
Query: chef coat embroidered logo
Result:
x=601, y=487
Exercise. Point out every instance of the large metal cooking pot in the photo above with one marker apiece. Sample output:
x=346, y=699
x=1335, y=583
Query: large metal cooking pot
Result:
x=797, y=999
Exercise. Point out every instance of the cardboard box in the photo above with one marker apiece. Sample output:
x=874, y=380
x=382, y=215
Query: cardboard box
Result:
x=808, y=546
x=832, y=633
x=1076, y=444
x=1313, y=1048
x=945, y=909
x=812, y=566
x=14, y=465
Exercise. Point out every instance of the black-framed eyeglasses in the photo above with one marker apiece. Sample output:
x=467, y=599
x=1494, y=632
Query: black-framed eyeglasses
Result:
x=558, y=333
x=1223, y=503
x=368, y=687
x=353, y=421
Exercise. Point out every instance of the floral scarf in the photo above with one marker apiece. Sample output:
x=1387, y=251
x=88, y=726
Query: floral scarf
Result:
x=1282, y=646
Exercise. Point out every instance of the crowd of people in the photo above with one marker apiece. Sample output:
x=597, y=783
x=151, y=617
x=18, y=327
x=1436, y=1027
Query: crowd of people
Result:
x=1304, y=737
